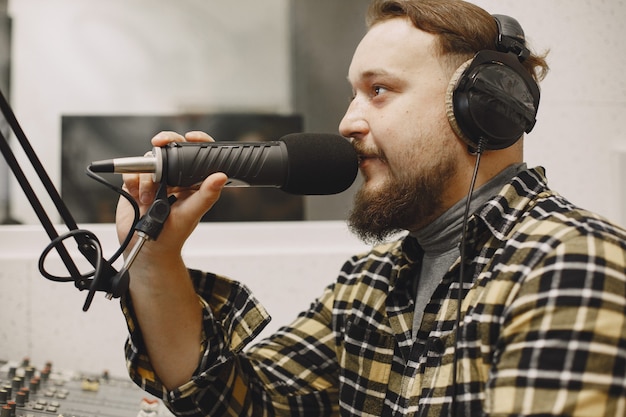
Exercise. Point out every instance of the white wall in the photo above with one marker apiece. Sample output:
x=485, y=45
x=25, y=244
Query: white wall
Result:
x=157, y=56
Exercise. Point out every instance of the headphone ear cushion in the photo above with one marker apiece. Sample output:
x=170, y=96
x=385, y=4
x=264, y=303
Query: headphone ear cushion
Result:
x=492, y=99
x=449, y=102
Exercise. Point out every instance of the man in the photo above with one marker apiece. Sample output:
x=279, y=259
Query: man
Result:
x=541, y=329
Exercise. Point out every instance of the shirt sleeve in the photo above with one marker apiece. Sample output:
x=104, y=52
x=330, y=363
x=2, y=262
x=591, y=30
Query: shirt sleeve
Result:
x=232, y=317
x=562, y=350
x=272, y=378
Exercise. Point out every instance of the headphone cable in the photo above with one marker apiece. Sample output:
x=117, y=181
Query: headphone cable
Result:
x=479, y=151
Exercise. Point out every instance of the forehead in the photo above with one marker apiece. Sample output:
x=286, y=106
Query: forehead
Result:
x=394, y=46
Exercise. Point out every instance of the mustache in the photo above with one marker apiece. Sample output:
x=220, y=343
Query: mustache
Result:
x=364, y=152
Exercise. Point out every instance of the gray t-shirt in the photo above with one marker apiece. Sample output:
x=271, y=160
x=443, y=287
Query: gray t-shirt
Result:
x=441, y=240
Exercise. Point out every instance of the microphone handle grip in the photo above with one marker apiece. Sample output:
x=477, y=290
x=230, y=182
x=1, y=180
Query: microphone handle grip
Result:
x=245, y=163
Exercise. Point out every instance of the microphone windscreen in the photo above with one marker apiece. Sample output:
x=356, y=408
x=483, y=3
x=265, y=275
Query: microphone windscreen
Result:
x=319, y=164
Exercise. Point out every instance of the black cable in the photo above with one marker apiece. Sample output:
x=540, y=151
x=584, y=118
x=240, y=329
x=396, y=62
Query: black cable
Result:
x=132, y=202
x=479, y=151
x=90, y=238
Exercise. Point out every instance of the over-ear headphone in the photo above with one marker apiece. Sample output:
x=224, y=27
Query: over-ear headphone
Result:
x=492, y=96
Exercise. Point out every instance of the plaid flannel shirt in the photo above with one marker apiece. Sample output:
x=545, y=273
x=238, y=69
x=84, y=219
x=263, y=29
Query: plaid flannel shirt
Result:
x=543, y=328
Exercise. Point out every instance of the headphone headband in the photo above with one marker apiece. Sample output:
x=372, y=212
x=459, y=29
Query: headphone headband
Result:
x=511, y=37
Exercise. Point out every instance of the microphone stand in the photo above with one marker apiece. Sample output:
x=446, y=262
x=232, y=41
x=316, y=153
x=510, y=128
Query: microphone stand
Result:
x=45, y=221
x=105, y=276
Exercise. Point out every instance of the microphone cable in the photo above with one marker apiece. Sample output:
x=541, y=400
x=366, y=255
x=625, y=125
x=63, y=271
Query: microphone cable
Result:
x=455, y=366
x=90, y=247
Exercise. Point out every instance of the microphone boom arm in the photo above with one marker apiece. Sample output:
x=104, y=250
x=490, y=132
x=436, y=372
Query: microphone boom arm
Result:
x=105, y=277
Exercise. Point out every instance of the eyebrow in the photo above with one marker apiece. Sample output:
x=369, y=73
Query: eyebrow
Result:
x=375, y=73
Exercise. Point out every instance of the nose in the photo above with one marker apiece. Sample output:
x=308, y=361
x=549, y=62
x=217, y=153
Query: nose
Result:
x=353, y=124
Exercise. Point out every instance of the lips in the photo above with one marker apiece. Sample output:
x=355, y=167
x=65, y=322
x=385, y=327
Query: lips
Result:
x=364, y=157
x=367, y=162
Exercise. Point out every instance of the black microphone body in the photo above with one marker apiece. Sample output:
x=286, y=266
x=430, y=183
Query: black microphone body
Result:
x=251, y=164
x=309, y=164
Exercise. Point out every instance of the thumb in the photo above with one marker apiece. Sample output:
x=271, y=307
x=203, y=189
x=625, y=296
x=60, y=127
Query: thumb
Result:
x=208, y=193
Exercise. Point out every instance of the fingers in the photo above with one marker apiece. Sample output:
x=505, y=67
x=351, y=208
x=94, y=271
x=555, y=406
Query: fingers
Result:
x=165, y=137
x=147, y=189
x=206, y=196
x=191, y=204
x=198, y=136
x=142, y=186
x=131, y=184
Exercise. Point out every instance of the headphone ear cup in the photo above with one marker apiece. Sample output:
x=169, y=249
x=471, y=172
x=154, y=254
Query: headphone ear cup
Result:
x=493, y=99
x=450, y=104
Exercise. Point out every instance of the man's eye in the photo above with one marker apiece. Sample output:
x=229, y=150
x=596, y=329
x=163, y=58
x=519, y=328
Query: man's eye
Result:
x=378, y=90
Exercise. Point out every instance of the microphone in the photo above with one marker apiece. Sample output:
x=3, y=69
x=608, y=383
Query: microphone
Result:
x=298, y=163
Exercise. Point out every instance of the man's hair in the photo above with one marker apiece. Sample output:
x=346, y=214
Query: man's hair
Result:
x=462, y=28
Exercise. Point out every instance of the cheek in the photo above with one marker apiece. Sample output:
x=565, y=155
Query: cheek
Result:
x=421, y=155
x=405, y=159
x=418, y=140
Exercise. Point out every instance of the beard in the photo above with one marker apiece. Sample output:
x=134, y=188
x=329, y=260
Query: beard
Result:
x=405, y=202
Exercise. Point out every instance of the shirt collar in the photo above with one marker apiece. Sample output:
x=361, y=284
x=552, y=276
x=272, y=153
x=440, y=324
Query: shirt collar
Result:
x=500, y=214
x=496, y=217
